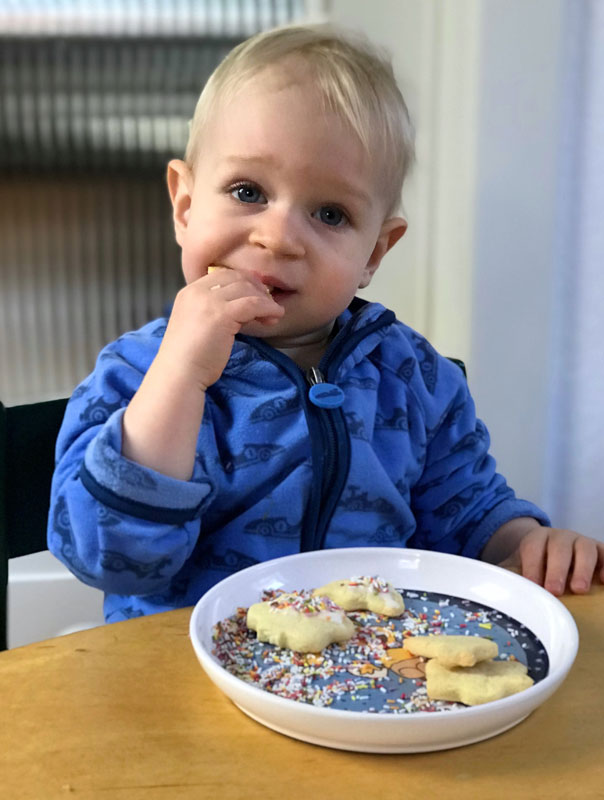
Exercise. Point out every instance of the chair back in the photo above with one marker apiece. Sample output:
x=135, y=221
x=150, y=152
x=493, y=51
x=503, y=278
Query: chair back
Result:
x=28, y=435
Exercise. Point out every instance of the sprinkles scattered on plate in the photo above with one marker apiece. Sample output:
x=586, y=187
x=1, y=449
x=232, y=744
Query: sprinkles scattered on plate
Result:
x=372, y=671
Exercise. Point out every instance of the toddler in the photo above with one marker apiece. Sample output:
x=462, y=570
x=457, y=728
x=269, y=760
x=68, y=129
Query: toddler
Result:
x=275, y=412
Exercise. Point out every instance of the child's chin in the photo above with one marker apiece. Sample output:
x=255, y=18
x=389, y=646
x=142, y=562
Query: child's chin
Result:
x=263, y=329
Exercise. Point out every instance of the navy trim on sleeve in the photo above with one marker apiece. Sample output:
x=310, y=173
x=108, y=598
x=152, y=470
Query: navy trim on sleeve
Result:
x=169, y=516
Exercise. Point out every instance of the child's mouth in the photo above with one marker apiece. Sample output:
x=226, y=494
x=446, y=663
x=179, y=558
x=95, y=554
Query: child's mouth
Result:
x=279, y=294
x=276, y=292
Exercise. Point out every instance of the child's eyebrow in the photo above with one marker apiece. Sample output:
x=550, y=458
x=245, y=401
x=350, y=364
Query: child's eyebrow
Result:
x=334, y=187
x=338, y=183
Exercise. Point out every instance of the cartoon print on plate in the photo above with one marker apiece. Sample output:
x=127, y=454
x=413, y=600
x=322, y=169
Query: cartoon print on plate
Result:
x=373, y=671
x=403, y=663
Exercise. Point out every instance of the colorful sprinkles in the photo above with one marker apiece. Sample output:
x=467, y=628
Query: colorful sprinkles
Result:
x=372, y=671
x=373, y=583
x=303, y=602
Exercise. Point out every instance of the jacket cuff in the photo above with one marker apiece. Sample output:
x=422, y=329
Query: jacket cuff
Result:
x=130, y=488
x=498, y=516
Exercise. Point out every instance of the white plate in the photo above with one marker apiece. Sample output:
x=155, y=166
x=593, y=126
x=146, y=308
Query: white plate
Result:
x=474, y=580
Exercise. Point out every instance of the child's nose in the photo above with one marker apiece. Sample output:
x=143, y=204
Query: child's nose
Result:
x=279, y=232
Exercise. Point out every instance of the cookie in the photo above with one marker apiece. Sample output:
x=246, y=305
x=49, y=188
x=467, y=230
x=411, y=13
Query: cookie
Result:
x=482, y=683
x=364, y=594
x=300, y=622
x=453, y=651
x=215, y=267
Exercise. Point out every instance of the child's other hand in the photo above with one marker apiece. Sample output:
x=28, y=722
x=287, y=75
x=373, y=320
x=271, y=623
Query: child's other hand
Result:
x=206, y=315
x=552, y=558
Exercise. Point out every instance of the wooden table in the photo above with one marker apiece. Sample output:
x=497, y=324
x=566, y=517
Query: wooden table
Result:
x=125, y=712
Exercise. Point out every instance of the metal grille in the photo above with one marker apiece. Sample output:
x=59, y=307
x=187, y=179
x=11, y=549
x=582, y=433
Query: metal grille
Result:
x=95, y=98
x=92, y=103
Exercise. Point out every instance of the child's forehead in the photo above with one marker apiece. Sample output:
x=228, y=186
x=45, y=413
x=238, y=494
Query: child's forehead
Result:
x=272, y=80
x=284, y=112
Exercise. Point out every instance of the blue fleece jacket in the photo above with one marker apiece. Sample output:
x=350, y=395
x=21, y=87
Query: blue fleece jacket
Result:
x=403, y=462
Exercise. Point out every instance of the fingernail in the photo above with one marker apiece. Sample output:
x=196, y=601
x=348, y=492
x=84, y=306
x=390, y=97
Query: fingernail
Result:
x=579, y=586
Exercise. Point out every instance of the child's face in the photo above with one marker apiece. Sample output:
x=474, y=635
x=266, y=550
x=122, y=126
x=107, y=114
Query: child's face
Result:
x=287, y=192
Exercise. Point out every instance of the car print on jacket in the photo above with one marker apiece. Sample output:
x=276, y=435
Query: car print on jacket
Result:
x=118, y=562
x=230, y=561
x=276, y=407
x=360, y=501
x=471, y=441
x=273, y=526
x=397, y=421
x=355, y=425
x=428, y=366
x=252, y=454
x=406, y=369
x=62, y=526
x=456, y=504
x=99, y=410
x=388, y=534
x=353, y=382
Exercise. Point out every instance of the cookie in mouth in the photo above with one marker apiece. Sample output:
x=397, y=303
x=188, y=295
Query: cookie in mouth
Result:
x=216, y=267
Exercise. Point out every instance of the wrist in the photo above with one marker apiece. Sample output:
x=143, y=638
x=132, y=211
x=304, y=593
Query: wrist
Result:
x=161, y=424
x=507, y=538
x=174, y=376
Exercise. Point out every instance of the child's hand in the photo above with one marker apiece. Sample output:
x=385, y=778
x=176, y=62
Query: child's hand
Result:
x=205, y=318
x=161, y=424
x=552, y=557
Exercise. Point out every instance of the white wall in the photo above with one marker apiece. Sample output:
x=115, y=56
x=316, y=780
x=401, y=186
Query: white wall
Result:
x=435, y=50
x=492, y=86
x=577, y=463
x=521, y=104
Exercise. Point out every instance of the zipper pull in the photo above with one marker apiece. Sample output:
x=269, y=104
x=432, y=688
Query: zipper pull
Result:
x=322, y=393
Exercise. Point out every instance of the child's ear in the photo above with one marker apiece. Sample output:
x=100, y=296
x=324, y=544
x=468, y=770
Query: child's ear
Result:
x=391, y=231
x=180, y=186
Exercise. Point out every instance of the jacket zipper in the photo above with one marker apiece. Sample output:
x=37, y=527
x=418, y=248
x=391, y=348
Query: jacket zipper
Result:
x=334, y=461
x=329, y=437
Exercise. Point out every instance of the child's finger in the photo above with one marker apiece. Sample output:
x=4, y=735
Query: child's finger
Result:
x=247, y=309
x=532, y=555
x=235, y=286
x=586, y=559
x=559, y=559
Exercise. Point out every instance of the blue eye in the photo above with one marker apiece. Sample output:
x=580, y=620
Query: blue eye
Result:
x=247, y=193
x=331, y=215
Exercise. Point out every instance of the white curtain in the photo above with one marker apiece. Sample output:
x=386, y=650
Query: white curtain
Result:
x=577, y=458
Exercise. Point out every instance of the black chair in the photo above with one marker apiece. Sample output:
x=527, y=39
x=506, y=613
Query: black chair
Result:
x=27, y=453
x=460, y=364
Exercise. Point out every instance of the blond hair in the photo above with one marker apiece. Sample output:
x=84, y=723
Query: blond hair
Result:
x=354, y=79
